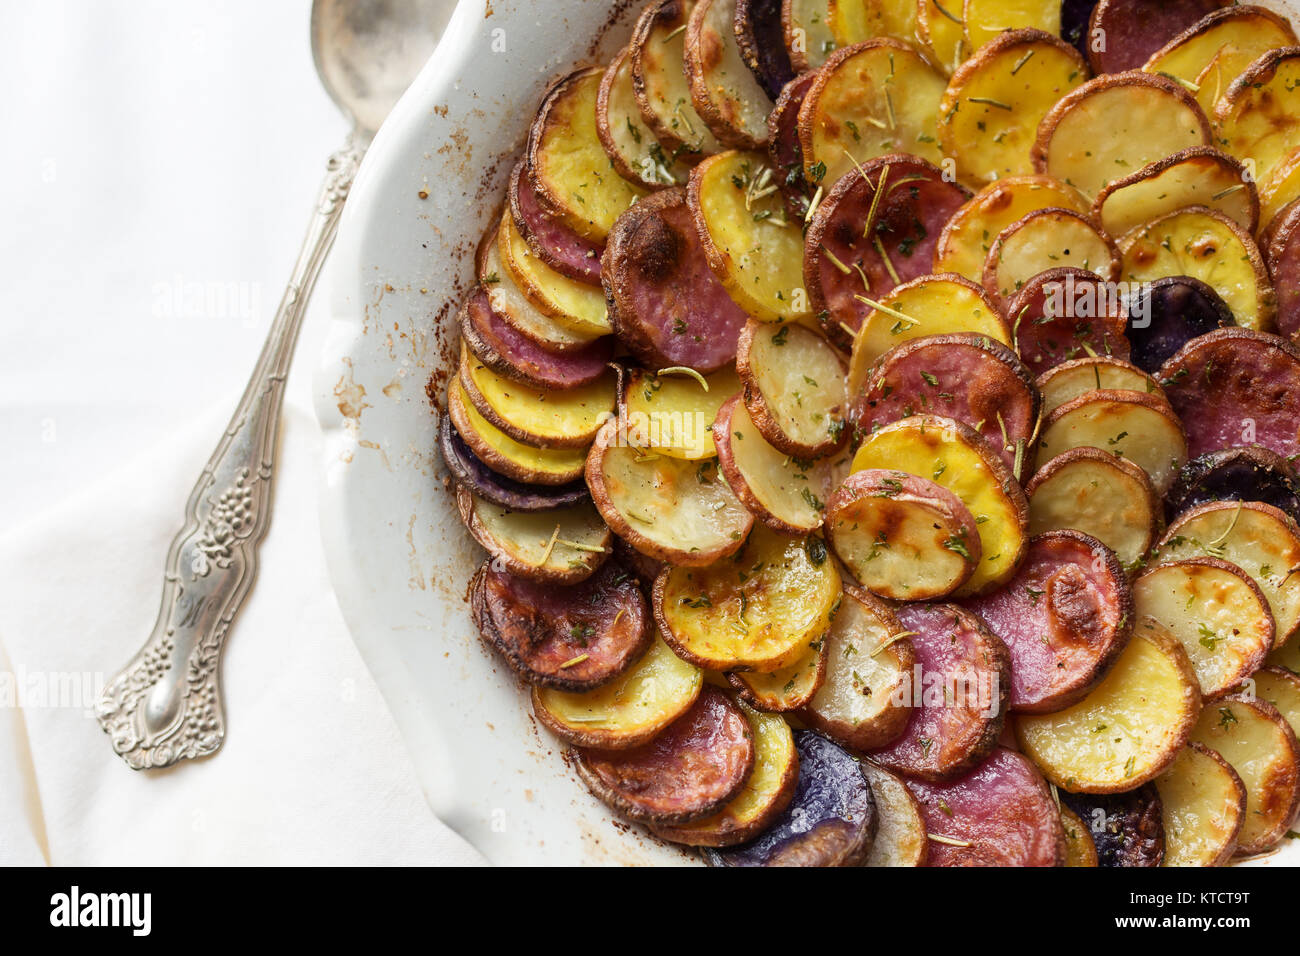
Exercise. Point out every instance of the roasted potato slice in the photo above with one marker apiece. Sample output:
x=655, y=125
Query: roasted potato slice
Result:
x=668, y=508
x=852, y=21
x=1259, y=539
x=1203, y=802
x=1282, y=252
x=1236, y=474
x=1134, y=425
x=1064, y=314
x=509, y=302
x=761, y=39
x=1164, y=315
x=627, y=712
x=1080, y=849
x=752, y=247
x=577, y=306
x=1133, y=30
x=567, y=163
x=783, y=146
x=987, y=19
x=808, y=38
x=989, y=114
x=1216, y=611
x=563, y=546
x=1205, y=245
x=958, y=459
x=1044, y=240
x=501, y=453
x=1127, y=828
x=549, y=238
x=674, y=414
x=1280, y=187
x=1287, y=656
x=1092, y=491
x=1128, y=729
x=1256, y=740
x=657, y=52
x=636, y=153
x=900, y=837
x=468, y=469
x=787, y=689
x=1281, y=688
x=1199, y=176
x=941, y=33
x=725, y=93
x=1114, y=125
x=1066, y=382
x=794, y=388
x=870, y=99
x=863, y=701
x=758, y=611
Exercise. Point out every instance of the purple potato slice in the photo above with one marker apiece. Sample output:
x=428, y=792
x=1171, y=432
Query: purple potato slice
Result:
x=468, y=469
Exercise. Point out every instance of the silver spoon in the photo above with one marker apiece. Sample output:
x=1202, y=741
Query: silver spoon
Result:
x=165, y=705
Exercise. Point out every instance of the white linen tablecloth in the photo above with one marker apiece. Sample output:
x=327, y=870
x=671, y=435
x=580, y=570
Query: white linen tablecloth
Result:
x=160, y=163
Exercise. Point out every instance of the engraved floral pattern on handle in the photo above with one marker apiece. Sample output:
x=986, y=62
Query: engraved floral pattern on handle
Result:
x=165, y=705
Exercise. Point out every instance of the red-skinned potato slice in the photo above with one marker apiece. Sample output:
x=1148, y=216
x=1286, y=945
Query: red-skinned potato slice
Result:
x=1127, y=828
x=688, y=772
x=985, y=19
x=1000, y=814
x=1200, y=176
x=767, y=792
x=794, y=388
x=858, y=248
x=1064, y=314
x=900, y=838
x=965, y=377
x=1115, y=124
x=1216, y=611
x=665, y=303
x=1135, y=29
x=1065, y=617
x=660, y=505
x=902, y=537
x=724, y=91
x=1260, y=745
x=1044, y=240
x=572, y=638
x=783, y=147
x=509, y=302
x=863, y=700
x=1282, y=254
x=1203, y=803
x=630, y=144
x=1148, y=704
x=501, y=453
x=1236, y=387
x=960, y=706
x=762, y=44
x=1067, y=381
x=657, y=52
x=564, y=250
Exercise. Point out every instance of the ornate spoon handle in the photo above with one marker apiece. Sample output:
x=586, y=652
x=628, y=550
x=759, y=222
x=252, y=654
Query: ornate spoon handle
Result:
x=165, y=705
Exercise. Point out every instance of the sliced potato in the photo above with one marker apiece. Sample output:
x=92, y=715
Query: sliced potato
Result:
x=863, y=702
x=761, y=39
x=1216, y=611
x=1279, y=188
x=564, y=545
x=1260, y=745
x=657, y=52
x=1203, y=803
x=667, y=508
x=632, y=146
x=1134, y=425
x=501, y=453
x=758, y=611
x=1128, y=729
x=1093, y=491
x=986, y=19
x=795, y=388
x=1127, y=829
x=1205, y=245
x=549, y=418
x=628, y=711
x=511, y=304
x=852, y=21
x=942, y=34
x=1115, y=125
x=753, y=249
x=1257, y=538
x=724, y=91
x=901, y=839
x=577, y=306
x=870, y=99
x=1080, y=850
x=1281, y=688
x=1259, y=116
x=808, y=37
x=989, y=115
x=1069, y=380
x=787, y=689
x=1287, y=656
x=960, y=460
x=674, y=414
x=1200, y=176
x=1044, y=240
x=567, y=163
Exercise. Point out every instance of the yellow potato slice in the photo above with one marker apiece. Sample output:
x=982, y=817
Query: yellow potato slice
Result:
x=986, y=19
x=1256, y=537
x=577, y=306
x=753, y=249
x=1279, y=188
x=931, y=305
x=958, y=459
x=1216, y=611
x=1139, y=427
x=1261, y=747
x=564, y=545
x=965, y=242
x=900, y=836
x=1115, y=125
x=786, y=689
x=507, y=299
x=1287, y=656
x=628, y=711
x=870, y=99
x=629, y=141
x=795, y=388
x=1203, y=803
x=852, y=21
x=659, y=80
x=549, y=418
x=500, y=452
x=1069, y=380
x=941, y=32
x=1080, y=848
x=1200, y=176
x=1047, y=239
x=572, y=174
x=1281, y=688
x=1259, y=116
x=990, y=113
x=1128, y=729
x=1092, y=491
x=1205, y=245
x=758, y=611
x=808, y=36
x=674, y=414
x=724, y=91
